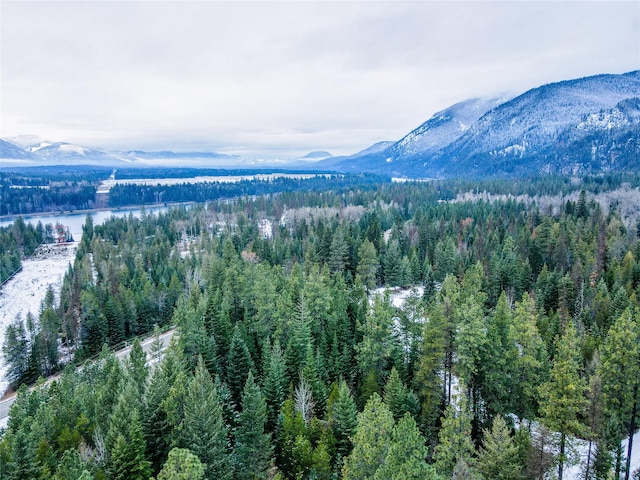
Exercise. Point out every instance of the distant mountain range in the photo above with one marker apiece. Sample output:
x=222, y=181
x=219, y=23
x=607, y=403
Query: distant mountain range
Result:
x=586, y=125
x=62, y=153
x=590, y=124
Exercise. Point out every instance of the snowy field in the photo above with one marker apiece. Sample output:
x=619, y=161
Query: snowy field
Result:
x=25, y=292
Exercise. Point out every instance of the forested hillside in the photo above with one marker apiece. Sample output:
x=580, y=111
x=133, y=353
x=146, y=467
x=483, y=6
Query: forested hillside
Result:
x=525, y=337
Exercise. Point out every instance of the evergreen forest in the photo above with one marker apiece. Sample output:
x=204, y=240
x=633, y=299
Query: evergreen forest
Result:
x=292, y=358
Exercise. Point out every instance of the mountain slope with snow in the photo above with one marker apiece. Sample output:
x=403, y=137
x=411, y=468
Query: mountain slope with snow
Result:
x=538, y=130
x=62, y=153
x=443, y=128
x=585, y=125
x=9, y=151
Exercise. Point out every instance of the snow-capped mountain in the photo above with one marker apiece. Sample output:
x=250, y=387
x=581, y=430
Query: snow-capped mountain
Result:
x=169, y=154
x=535, y=129
x=584, y=125
x=9, y=151
x=443, y=128
x=63, y=153
x=436, y=133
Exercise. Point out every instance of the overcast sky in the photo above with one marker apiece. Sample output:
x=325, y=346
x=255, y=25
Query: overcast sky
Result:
x=284, y=78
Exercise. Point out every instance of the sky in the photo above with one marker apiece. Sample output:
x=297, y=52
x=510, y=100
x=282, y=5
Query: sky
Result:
x=280, y=79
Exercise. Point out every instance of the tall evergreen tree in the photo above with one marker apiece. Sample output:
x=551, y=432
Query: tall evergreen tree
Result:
x=239, y=364
x=528, y=359
x=395, y=395
x=275, y=384
x=620, y=374
x=252, y=444
x=429, y=376
x=137, y=366
x=406, y=458
x=203, y=430
x=368, y=264
x=371, y=441
x=497, y=371
x=455, y=438
x=127, y=460
x=342, y=413
x=563, y=398
x=182, y=464
x=498, y=459
x=15, y=350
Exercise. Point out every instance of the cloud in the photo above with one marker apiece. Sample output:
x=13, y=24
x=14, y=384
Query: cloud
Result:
x=282, y=78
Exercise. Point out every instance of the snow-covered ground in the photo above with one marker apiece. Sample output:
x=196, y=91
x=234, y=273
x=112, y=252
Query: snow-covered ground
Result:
x=398, y=296
x=575, y=472
x=24, y=293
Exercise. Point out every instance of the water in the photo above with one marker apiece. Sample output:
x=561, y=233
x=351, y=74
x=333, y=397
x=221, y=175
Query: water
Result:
x=75, y=221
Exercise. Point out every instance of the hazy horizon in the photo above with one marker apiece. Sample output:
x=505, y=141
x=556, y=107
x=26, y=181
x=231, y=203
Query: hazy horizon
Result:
x=282, y=79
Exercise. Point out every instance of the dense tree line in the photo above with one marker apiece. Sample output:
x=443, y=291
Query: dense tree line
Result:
x=180, y=172
x=122, y=195
x=285, y=364
x=25, y=191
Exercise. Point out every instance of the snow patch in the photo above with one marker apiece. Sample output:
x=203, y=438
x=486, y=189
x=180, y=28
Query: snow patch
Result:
x=24, y=292
x=604, y=121
x=67, y=148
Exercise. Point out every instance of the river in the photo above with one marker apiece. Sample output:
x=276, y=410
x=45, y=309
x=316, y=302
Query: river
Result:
x=75, y=221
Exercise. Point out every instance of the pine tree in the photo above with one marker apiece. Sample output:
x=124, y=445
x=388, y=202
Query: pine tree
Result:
x=620, y=374
x=497, y=371
x=392, y=265
x=395, y=395
x=470, y=344
x=239, y=364
x=311, y=376
x=182, y=464
x=203, y=430
x=70, y=466
x=429, y=382
x=406, y=458
x=368, y=264
x=252, y=444
x=155, y=422
x=338, y=252
x=528, y=360
x=455, y=437
x=127, y=460
x=498, y=457
x=137, y=366
x=275, y=384
x=15, y=350
x=343, y=419
x=563, y=398
x=125, y=412
x=291, y=428
x=157, y=346
x=371, y=441
x=378, y=345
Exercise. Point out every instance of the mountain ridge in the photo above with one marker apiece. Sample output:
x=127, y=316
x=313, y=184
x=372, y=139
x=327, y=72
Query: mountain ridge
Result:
x=543, y=130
